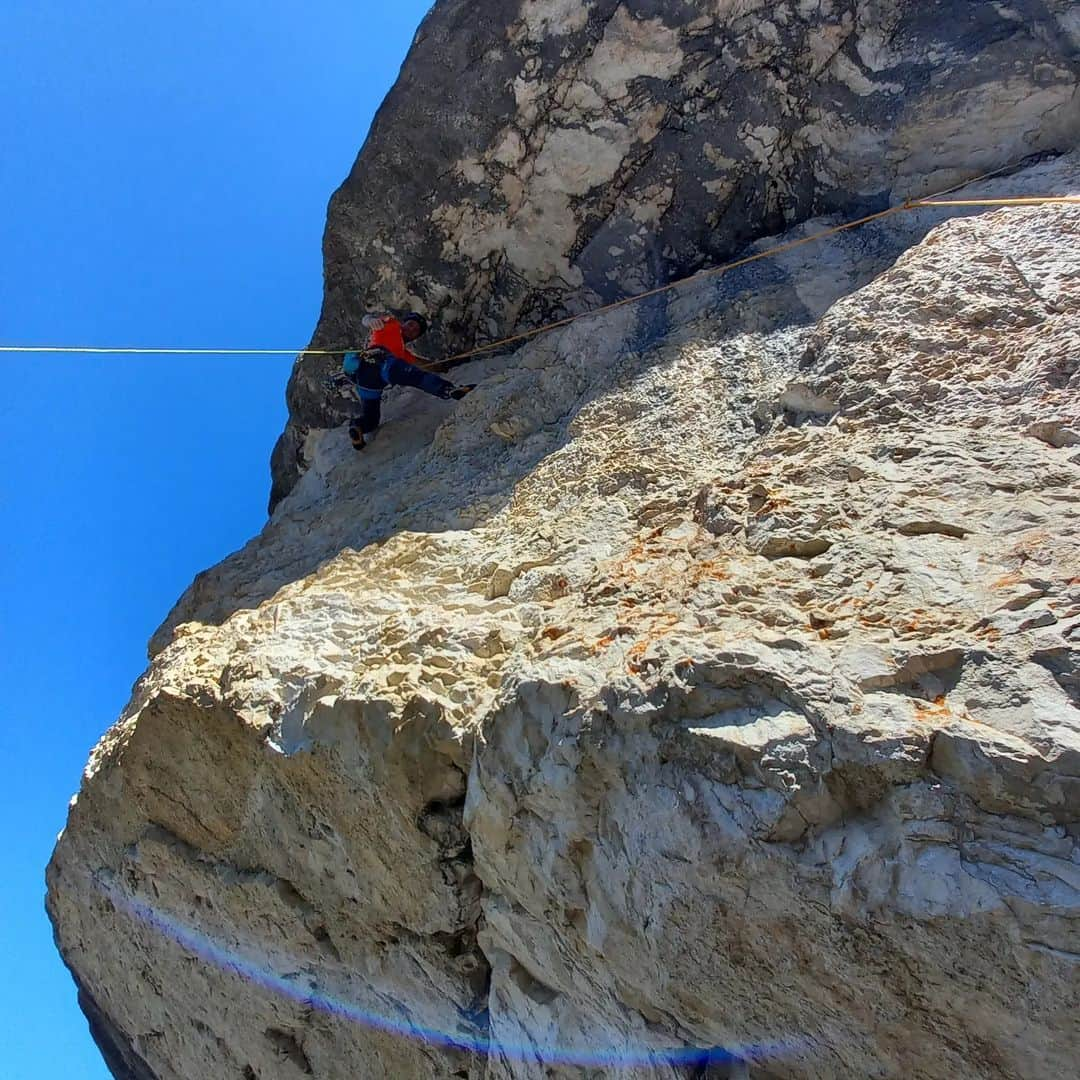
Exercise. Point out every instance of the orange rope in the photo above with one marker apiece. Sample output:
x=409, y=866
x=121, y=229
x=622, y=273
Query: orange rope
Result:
x=911, y=204
x=699, y=276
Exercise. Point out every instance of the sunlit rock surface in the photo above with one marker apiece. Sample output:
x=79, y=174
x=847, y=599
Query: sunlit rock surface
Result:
x=699, y=697
x=708, y=679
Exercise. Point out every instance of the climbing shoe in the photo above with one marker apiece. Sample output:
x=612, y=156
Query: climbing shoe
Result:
x=356, y=437
x=460, y=391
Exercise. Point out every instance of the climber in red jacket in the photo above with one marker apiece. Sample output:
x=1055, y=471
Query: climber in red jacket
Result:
x=393, y=334
x=385, y=362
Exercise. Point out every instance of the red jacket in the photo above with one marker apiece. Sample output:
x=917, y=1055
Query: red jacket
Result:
x=386, y=334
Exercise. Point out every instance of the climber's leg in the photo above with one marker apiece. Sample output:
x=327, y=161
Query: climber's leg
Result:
x=397, y=373
x=368, y=420
x=370, y=413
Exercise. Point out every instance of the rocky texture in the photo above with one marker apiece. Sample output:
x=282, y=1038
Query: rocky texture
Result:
x=539, y=157
x=699, y=697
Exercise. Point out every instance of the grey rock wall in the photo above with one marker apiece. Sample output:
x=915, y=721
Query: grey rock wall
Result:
x=541, y=157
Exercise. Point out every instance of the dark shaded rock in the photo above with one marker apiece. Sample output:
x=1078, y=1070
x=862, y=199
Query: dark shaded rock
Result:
x=116, y=1048
x=541, y=157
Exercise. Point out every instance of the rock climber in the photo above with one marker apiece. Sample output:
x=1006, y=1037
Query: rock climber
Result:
x=385, y=362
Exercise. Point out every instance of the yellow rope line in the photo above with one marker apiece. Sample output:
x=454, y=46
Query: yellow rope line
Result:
x=1034, y=200
x=165, y=352
x=911, y=204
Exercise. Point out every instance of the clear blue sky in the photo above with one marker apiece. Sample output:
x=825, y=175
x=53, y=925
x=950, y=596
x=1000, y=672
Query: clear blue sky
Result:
x=164, y=172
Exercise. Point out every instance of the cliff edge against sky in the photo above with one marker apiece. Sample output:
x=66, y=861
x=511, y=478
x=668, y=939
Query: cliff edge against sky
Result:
x=699, y=697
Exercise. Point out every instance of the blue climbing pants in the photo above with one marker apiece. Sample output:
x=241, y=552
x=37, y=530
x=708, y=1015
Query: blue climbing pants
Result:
x=371, y=378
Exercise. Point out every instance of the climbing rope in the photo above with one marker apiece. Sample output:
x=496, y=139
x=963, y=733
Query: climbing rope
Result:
x=770, y=253
x=166, y=352
x=930, y=202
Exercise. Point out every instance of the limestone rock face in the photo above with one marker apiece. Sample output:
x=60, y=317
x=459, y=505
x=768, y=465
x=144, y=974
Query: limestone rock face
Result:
x=539, y=157
x=698, y=697
x=701, y=695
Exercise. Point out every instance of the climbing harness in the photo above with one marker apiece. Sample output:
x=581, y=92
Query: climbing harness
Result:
x=929, y=202
x=376, y=362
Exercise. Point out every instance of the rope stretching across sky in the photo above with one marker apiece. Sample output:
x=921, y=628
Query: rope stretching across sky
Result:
x=930, y=202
